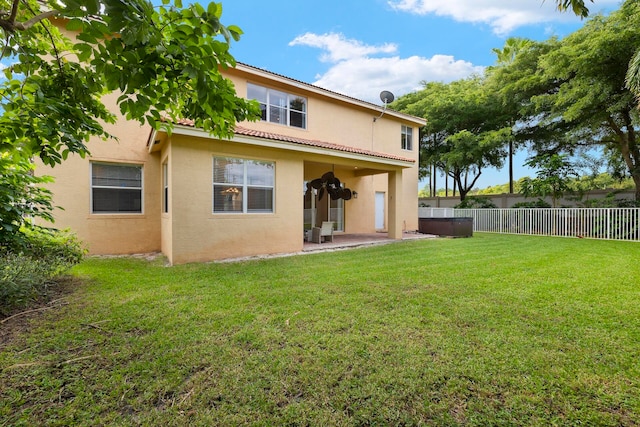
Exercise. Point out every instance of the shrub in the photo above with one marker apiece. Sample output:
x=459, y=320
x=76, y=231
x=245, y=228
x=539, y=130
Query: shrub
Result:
x=22, y=197
x=60, y=249
x=476, y=202
x=610, y=201
x=25, y=275
x=536, y=204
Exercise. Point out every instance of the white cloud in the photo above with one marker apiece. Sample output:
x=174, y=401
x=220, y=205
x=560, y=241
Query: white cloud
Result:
x=338, y=48
x=502, y=15
x=358, y=73
x=365, y=78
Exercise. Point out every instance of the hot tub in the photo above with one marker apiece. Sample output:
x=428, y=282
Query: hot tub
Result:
x=451, y=227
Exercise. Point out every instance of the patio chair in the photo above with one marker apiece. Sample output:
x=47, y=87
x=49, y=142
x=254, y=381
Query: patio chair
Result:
x=325, y=231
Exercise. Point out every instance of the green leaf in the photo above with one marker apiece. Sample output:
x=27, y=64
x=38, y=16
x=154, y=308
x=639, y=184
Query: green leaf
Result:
x=235, y=31
x=75, y=25
x=92, y=6
x=84, y=51
x=197, y=9
x=215, y=9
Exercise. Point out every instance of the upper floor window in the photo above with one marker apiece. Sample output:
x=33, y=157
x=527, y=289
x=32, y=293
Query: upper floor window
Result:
x=243, y=186
x=116, y=188
x=407, y=137
x=279, y=107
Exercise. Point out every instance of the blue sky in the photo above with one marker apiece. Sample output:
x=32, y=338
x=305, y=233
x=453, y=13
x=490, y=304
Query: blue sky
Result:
x=361, y=47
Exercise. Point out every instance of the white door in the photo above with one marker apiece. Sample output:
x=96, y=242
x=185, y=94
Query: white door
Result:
x=379, y=210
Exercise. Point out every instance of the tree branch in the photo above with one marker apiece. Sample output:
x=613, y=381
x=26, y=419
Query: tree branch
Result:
x=39, y=18
x=36, y=19
x=11, y=26
x=14, y=11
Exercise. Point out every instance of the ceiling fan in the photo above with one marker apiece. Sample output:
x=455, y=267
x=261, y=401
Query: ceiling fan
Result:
x=330, y=184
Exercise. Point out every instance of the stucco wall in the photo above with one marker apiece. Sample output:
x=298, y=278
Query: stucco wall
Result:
x=201, y=235
x=338, y=122
x=341, y=123
x=332, y=120
x=109, y=233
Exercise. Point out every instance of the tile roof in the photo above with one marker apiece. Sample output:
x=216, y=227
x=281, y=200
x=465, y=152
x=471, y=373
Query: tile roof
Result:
x=239, y=130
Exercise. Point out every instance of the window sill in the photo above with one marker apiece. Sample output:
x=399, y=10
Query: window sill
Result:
x=231, y=215
x=97, y=216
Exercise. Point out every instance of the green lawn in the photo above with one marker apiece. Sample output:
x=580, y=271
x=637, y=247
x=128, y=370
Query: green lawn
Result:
x=492, y=330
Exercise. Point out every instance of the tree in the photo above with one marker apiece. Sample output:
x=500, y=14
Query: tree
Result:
x=467, y=129
x=505, y=56
x=554, y=177
x=163, y=62
x=572, y=92
x=464, y=155
x=633, y=72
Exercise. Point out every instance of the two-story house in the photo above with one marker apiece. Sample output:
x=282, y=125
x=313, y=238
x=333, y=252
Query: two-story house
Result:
x=195, y=197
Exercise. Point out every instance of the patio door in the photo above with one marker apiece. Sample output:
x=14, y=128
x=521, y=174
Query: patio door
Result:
x=379, y=214
x=316, y=211
x=310, y=211
x=336, y=213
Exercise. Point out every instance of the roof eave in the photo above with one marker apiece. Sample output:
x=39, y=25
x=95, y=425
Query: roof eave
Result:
x=299, y=147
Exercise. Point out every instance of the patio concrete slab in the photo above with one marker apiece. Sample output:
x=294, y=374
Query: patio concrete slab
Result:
x=340, y=242
x=346, y=241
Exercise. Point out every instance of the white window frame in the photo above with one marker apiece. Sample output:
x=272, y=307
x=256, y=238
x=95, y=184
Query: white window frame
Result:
x=289, y=97
x=141, y=189
x=406, y=138
x=245, y=188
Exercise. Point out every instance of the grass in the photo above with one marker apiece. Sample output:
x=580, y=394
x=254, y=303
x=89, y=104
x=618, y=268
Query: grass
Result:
x=493, y=330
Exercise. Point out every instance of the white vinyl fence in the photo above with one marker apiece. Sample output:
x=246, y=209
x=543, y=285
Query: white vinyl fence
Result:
x=435, y=212
x=594, y=223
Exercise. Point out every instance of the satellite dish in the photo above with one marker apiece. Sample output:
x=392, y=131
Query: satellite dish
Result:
x=386, y=96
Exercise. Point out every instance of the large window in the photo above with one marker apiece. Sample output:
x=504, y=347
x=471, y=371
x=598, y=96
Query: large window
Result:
x=407, y=138
x=243, y=186
x=116, y=188
x=279, y=107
